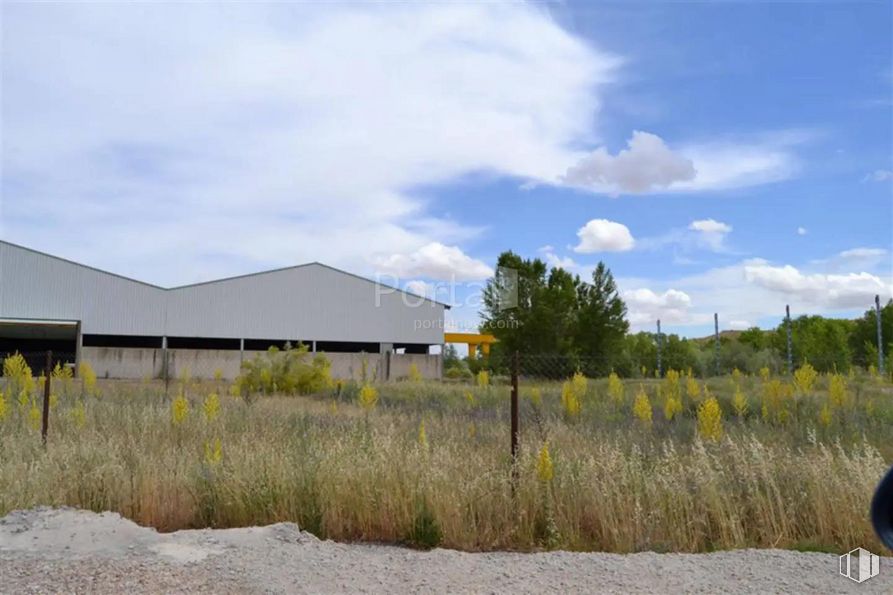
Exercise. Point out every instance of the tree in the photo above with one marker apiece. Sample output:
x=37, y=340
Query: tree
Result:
x=556, y=312
x=678, y=354
x=823, y=342
x=863, y=339
x=527, y=327
x=601, y=320
x=754, y=337
x=639, y=351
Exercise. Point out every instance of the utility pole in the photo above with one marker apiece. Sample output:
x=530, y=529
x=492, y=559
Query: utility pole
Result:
x=716, y=340
x=515, y=420
x=659, y=345
x=787, y=318
x=880, y=335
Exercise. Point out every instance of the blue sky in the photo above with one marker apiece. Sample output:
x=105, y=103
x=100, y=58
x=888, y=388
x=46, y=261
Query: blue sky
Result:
x=721, y=157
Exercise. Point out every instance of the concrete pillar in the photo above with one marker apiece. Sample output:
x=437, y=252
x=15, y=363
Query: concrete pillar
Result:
x=165, y=366
x=313, y=346
x=79, y=343
x=241, y=351
x=386, y=347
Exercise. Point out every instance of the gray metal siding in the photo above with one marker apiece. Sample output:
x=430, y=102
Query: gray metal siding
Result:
x=33, y=285
x=311, y=302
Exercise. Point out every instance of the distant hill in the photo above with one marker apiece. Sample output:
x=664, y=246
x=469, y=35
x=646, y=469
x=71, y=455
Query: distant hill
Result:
x=731, y=335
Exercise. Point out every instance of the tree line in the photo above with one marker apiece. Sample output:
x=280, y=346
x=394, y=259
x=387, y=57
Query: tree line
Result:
x=583, y=322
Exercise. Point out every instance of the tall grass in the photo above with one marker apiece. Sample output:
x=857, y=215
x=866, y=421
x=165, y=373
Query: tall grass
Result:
x=351, y=472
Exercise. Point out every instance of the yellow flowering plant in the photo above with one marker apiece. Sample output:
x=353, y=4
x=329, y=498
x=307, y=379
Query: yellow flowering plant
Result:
x=211, y=406
x=642, y=408
x=179, y=410
x=368, y=397
x=710, y=420
x=545, y=470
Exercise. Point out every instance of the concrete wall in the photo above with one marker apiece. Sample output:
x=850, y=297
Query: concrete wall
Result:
x=430, y=366
x=133, y=363
x=115, y=362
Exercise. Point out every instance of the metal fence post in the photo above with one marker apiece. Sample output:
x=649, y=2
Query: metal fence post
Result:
x=716, y=342
x=516, y=429
x=45, y=419
x=660, y=343
x=166, y=367
x=787, y=317
x=880, y=335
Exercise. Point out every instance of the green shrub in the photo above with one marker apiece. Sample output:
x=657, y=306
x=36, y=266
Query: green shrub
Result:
x=425, y=532
x=289, y=371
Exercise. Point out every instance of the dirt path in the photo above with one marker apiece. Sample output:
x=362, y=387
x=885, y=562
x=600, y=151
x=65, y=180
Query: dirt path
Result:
x=66, y=550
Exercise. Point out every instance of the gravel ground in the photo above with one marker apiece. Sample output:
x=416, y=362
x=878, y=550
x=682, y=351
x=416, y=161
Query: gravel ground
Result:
x=65, y=550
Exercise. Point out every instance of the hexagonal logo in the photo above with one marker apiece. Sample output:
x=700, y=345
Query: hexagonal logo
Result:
x=859, y=565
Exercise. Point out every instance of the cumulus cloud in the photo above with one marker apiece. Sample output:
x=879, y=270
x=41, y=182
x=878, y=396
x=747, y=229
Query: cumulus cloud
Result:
x=644, y=306
x=852, y=290
x=756, y=291
x=647, y=164
x=434, y=261
x=420, y=288
x=552, y=259
x=739, y=325
x=601, y=235
x=801, y=231
x=710, y=233
x=295, y=131
x=879, y=175
x=710, y=226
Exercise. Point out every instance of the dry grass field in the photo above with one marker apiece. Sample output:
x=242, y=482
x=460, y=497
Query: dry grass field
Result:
x=677, y=465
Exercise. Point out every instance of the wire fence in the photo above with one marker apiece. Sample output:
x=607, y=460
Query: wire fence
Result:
x=37, y=360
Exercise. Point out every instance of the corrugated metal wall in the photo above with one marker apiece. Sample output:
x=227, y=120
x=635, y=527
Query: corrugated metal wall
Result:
x=34, y=285
x=310, y=302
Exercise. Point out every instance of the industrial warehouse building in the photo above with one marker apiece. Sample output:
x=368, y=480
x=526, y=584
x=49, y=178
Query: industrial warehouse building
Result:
x=127, y=328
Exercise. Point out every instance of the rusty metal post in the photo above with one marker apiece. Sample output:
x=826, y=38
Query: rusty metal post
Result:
x=516, y=425
x=880, y=335
x=660, y=370
x=45, y=420
x=787, y=321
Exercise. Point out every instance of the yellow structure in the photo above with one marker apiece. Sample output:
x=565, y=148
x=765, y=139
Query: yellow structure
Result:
x=472, y=340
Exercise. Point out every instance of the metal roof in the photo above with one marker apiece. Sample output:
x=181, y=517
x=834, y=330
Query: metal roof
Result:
x=308, y=302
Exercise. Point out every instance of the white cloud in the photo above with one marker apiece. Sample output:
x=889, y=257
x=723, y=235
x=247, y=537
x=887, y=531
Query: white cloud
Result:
x=878, y=175
x=648, y=164
x=552, y=259
x=801, y=231
x=853, y=290
x=756, y=291
x=420, y=288
x=862, y=259
x=645, y=307
x=728, y=164
x=259, y=135
x=702, y=234
x=434, y=261
x=601, y=235
x=739, y=325
x=860, y=253
x=710, y=226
